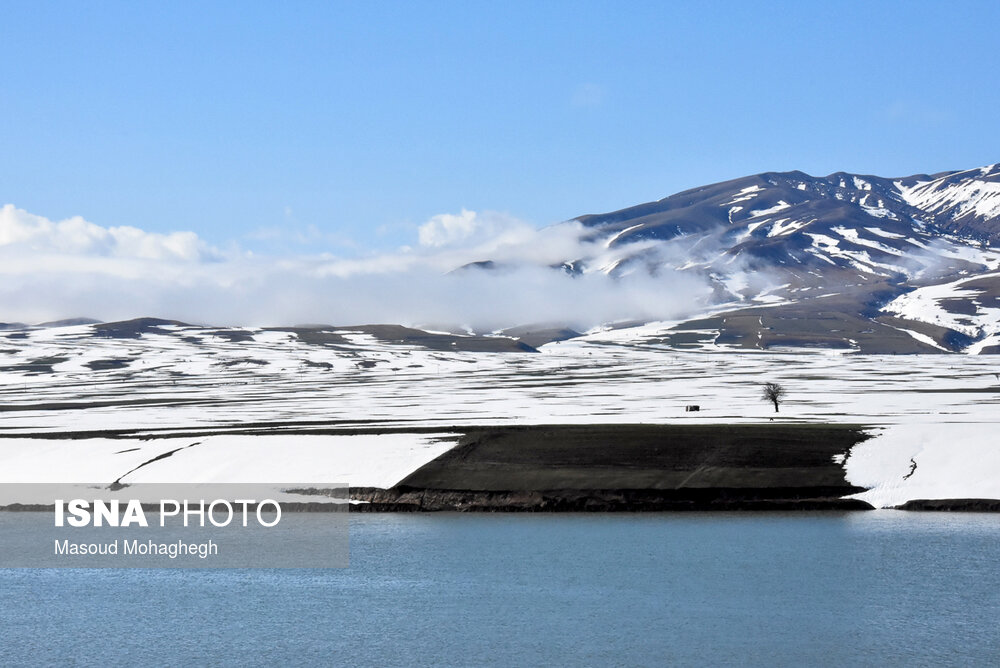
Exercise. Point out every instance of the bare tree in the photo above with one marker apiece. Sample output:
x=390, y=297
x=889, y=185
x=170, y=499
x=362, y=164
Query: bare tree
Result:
x=774, y=393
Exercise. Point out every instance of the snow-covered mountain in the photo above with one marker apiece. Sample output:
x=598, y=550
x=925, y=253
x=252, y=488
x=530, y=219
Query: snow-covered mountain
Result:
x=875, y=227
x=882, y=265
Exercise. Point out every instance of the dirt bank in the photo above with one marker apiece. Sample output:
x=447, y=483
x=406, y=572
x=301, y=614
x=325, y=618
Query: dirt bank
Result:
x=632, y=467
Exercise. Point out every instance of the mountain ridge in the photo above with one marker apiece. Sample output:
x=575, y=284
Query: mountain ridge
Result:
x=781, y=241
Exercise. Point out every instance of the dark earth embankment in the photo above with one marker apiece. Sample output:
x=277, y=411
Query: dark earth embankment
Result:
x=953, y=505
x=631, y=467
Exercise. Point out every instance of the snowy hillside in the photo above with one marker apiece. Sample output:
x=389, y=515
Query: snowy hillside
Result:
x=176, y=402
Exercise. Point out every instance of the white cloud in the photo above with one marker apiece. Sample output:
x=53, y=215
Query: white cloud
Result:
x=447, y=228
x=51, y=270
x=28, y=233
x=469, y=227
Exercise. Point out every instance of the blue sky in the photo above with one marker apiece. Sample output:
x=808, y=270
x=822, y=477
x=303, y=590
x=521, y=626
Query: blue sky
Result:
x=342, y=127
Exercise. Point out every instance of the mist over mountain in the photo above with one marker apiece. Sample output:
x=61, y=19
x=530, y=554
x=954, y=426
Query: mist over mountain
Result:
x=855, y=261
x=879, y=265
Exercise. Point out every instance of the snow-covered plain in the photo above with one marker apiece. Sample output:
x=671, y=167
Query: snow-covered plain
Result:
x=190, y=386
x=356, y=460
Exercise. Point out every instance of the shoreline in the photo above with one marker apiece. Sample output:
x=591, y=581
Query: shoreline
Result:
x=411, y=500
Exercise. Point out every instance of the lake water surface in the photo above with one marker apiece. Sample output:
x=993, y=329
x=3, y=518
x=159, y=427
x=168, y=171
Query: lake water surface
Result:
x=883, y=587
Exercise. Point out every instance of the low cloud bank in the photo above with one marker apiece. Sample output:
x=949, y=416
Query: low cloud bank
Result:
x=51, y=270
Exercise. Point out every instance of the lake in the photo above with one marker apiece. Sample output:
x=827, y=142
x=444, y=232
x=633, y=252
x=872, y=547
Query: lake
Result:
x=883, y=587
